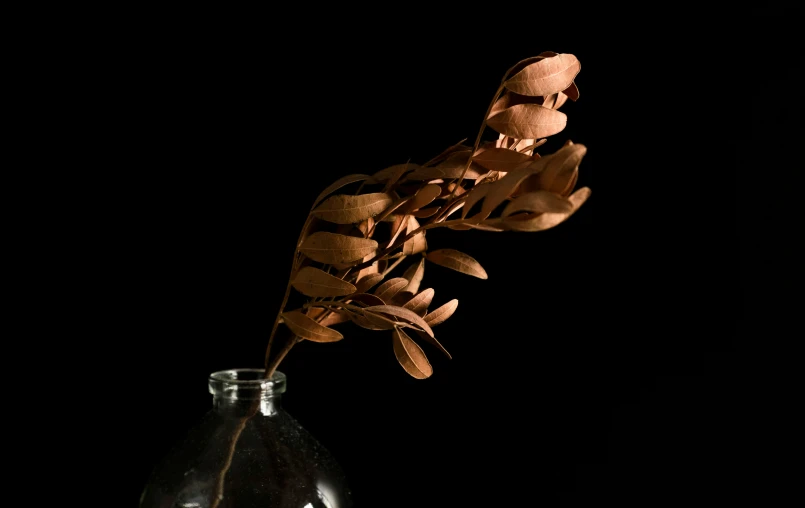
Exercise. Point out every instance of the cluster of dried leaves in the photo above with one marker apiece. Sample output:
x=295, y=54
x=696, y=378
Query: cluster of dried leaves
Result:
x=353, y=240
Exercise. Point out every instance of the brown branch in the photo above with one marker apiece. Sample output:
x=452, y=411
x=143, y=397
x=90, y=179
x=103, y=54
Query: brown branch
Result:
x=294, y=266
x=480, y=133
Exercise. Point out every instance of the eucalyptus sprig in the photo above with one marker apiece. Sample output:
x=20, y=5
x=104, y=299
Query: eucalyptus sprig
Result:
x=362, y=227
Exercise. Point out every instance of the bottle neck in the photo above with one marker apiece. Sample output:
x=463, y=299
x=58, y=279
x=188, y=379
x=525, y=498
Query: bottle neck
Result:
x=244, y=407
x=242, y=392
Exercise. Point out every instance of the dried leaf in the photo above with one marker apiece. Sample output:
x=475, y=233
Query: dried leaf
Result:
x=448, y=152
x=333, y=318
x=424, y=213
x=523, y=147
x=528, y=121
x=346, y=209
x=500, y=191
x=367, y=226
x=443, y=173
x=480, y=226
x=326, y=247
x=452, y=187
x=572, y=92
x=391, y=287
x=341, y=182
x=405, y=314
x=454, y=165
x=401, y=298
x=420, y=302
x=508, y=100
x=307, y=328
x=455, y=260
x=558, y=169
x=476, y=194
x=367, y=299
x=372, y=321
x=546, y=76
x=522, y=64
x=417, y=243
x=363, y=272
x=540, y=201
x=394, y=171
x=441, y=314
x=423, y=197
x=414, y=274
x=571, y=184
x=386, y=214
x=411, y=356
x=398, y=226
x=435, y=342
x=395, y=177
x=366, y=283
x=541, y=222
x=502, y=159
x=314, y=282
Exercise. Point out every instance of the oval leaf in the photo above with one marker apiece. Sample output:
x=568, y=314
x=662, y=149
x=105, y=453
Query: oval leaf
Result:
x=372, y=321
x=346, y=209
x=441, y=314
x=414, y=274
x=419, y=303
x=500, y=190
x=326, y=247
x=307, y=328
x=432, y=340
x=510, y=99
x=311, y=281
x=546, y=76
x=411, y=356
x=367, y=299
x=405, y=314
x=559, y=168
x=424, y=213
x=394, y=172
x=368, y=282
x=528, y=121
x=572, y=92
x=416, y=244
x=424, y=197
x=502, y=159
x=455, y=260
x=543, y=221
x=401, y=298
x=391, y=287
x=476, y=194
x=333, y=317
x=346, y=180
x=538, y=202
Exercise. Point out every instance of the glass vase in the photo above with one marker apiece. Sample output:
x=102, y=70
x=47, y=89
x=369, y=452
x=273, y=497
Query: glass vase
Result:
x=247, y=451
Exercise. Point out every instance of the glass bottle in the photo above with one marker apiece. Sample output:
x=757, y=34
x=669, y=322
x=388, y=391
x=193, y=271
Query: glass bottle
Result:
x=274, y=463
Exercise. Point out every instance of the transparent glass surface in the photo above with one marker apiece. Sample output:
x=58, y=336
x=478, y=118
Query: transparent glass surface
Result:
x=274, y=462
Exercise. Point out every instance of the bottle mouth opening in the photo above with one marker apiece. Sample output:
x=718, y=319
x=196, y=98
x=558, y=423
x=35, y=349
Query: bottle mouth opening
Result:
x=246, y=384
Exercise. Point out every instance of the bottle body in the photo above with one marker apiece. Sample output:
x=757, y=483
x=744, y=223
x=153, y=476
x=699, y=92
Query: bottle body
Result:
x=247, y=451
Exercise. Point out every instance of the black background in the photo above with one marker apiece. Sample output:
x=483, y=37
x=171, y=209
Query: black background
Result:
x=608, y=359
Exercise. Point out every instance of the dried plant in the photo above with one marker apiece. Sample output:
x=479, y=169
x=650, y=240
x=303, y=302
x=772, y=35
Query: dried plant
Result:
x=352, y=241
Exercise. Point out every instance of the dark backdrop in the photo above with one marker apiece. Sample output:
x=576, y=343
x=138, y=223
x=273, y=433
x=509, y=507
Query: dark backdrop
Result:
x=601, y=360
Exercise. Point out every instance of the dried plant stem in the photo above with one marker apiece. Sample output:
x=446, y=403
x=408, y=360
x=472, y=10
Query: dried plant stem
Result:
x=218, y=494
x=281, y=356
x=294, y=266
x=478, y=138
x=219, y=487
